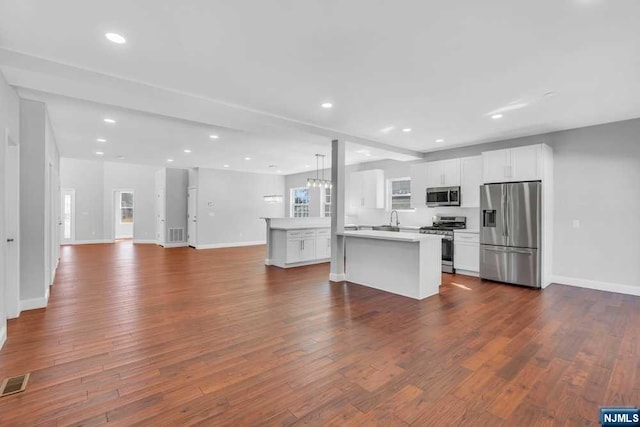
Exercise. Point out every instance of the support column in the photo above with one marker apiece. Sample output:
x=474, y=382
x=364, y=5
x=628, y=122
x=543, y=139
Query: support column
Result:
x=337, y=209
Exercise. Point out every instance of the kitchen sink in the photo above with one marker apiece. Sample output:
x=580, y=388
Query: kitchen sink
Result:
x=385, y=228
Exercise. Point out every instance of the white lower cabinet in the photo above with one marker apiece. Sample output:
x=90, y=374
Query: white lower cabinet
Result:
x=300, y=246
x=466, y=252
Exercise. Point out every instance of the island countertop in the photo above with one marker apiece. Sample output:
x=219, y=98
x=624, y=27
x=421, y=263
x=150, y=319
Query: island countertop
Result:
x=390, y=235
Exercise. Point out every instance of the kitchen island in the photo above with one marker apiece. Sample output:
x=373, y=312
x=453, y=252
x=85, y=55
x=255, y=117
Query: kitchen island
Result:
x=294, y=242
x=407, y=264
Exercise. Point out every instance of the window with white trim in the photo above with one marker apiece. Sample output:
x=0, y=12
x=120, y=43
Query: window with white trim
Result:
x=326, y=202
x=126, y=208
x=299, y=202
x=399, y=191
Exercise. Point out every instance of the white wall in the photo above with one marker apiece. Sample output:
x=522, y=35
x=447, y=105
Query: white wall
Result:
x=9, y=121
x=39, y=195
x=87, y=178
x=230, y=205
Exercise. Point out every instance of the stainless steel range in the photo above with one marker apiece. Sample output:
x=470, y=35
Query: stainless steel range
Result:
x=444, y=226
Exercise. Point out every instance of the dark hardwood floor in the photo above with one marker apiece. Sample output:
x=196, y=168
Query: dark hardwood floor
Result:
x=151, y=336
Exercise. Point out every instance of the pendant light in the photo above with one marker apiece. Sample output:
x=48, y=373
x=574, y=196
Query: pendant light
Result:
x=317, y=181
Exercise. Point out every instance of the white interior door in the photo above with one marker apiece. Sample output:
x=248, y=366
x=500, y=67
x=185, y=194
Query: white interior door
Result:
x=68, y=216
x=12, y=227
x=192, y=218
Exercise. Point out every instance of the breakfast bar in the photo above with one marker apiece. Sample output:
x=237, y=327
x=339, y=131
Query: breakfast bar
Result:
x=407, y=264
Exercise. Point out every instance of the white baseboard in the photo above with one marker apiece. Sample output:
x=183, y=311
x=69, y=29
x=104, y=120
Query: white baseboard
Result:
x=91, y=242
x=144, y=242
x=3, y=335
x=34, y=303
x=267, y=261
x=600, y=286
x=467, y=272
x=175, y=245
x=231, y=245
x=337, y=277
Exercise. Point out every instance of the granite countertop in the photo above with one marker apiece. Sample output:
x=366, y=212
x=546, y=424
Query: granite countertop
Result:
x=390, y=235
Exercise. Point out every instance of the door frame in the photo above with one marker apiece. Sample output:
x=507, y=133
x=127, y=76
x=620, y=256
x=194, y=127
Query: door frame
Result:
x=12, y=285
x=114, y=200
x=193, y=238
x=63, y=192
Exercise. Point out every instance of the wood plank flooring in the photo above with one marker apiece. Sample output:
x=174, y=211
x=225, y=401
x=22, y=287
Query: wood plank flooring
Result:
x=140, y=335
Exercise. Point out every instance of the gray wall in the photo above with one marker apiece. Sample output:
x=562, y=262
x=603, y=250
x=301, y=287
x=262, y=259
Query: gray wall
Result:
x=177, y=181
x=87, y=178
x=230, y=205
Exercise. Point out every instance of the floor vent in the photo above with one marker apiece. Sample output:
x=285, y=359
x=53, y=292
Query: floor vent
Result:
x=14, y=385
x=176, y=235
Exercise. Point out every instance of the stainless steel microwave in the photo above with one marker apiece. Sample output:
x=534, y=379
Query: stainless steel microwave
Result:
x=443, y=196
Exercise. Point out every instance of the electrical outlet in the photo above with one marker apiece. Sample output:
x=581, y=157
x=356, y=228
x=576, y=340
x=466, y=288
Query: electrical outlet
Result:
x=576, y=223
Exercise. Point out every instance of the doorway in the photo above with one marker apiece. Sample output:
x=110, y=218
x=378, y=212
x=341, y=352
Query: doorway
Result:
x=12, y=227
x=124, y=214
x=68, y=215
x=192, y=218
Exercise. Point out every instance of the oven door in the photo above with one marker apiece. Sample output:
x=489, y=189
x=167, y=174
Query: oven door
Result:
x=447, y=254
x=438, y=197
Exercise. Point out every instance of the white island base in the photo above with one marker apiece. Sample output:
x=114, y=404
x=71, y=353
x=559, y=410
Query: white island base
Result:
x=406, y=264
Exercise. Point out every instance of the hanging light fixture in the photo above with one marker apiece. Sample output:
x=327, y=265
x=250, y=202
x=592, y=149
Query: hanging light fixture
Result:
x=318, y=181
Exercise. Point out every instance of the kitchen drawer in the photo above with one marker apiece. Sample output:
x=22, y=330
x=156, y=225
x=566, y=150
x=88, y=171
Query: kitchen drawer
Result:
x=466, y=237
x=294, y=235
x=308, y=233
x=324, y=232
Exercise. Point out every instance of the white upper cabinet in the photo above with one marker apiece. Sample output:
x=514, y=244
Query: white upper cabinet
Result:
x=513, y=164
x=471, y=180
x=445, y=173
x=418, y=185
x=366, y=189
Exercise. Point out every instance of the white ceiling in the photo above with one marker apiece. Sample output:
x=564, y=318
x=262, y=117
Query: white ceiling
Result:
x=440, y=68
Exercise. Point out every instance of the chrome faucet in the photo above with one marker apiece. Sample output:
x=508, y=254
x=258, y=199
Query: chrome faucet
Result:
x=397, y=218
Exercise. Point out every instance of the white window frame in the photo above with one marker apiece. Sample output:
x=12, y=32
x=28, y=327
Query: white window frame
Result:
x=390, y=196
x=324, y=204
x=126, y=207
x=293, y=204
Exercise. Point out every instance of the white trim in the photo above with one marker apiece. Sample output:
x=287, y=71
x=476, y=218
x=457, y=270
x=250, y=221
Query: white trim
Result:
x=267, y=261
x=337, y=277
x=3, y=335
x=34, y=303
x=467, y=272
x=144, y=242
x=231, y=245
x=600, y=286
x=91, y=242
x=174, y=245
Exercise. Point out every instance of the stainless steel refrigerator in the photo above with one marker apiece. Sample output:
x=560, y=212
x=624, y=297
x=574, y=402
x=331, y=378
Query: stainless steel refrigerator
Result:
x=510, y=233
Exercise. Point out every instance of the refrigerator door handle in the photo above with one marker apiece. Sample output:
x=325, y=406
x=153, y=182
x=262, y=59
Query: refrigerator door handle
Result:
x=509, y=250
x=504, y=211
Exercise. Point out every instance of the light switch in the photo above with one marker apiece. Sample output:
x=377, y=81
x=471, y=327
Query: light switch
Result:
x=576, y=223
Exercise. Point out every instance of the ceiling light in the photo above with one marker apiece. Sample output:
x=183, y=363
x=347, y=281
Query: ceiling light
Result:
x=100, y=153
x=187, y=151
x=169, y=160
x=406, y=130
x=212, y=136
x=279, y=171
x=327, y=105
x=318, y=181
x=387, y=129
x=225, y=166
x=307, y=166
x=247, y=158
x=496, y=116
x=101, y=140
x=115, y=38
x=440, y=140
x=109, y=121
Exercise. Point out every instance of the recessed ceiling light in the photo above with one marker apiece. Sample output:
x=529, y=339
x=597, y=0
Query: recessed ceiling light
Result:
x=115, y=38
x=225, y=166
x=109, y=121
x=440, y=140
x=187, y=151
x=326, y=105
x=279, y=171
x=101, y=140
x=247, y=158
x=307, y=166
x=212, y=136
x=387, y=129
x=169, y=160
x=99, y=153
x=496, y=116
x=406, y=130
